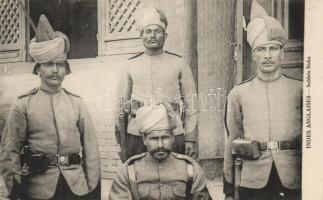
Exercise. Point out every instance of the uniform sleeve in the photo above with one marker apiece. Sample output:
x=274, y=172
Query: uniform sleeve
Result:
x=233, y=125
x=13, y=138
x=189, y=94
x=199, y=190
x=120, y=188
x=90, y=148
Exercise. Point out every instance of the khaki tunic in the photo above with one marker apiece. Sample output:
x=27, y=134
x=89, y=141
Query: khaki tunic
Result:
x=166, y=76
x=266, y=111
x=49, y=123
x=159, y=180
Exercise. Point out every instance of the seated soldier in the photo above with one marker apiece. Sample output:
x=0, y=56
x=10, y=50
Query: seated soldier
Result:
x=160, y=173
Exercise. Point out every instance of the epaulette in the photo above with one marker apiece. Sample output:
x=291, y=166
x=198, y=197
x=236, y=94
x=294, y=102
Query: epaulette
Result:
x=69, y=93
x=289, y=77
x=135, y=56
x=246, y=81
x=173, y=54
x=31, y=92
x=132, y=159
x=184, y=157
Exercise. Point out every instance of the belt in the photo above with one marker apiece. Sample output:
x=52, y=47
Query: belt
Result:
x=69, y=159
x=280, y=145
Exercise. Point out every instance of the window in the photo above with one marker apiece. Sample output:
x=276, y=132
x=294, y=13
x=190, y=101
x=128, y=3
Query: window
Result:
x=75, y=18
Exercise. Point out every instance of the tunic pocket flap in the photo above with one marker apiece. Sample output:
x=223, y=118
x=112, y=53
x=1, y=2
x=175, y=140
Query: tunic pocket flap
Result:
x=179, y=189
x=143, y=190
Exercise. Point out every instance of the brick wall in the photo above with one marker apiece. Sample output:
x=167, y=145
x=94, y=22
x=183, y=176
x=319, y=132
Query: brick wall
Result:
x=95, y=80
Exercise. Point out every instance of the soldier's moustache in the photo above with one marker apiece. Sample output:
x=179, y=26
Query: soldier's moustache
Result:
x=161, y=149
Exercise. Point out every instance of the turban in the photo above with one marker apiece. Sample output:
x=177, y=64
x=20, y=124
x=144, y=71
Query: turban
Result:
x=49, y=46
x=149, y=16
x=263, y=29
x=54, y=50
x=150, y=119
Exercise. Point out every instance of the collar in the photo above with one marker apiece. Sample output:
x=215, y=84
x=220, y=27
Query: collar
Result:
x=50, y=92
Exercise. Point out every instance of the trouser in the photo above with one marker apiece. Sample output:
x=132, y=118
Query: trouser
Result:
x=135, y=145
x=63, y=192
x=274, y=190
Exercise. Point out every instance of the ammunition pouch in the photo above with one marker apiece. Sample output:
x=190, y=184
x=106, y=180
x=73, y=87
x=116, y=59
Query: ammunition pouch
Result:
x=247, y=149
x=37, y=163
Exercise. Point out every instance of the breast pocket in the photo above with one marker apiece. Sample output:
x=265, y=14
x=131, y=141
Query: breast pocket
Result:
x=143, y=190
x=179, y=191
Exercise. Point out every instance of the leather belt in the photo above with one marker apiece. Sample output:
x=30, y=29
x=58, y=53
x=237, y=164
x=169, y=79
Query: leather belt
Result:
x=69, y=159
x=280, y=145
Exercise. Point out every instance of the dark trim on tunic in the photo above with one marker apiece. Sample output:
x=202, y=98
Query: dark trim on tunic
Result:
x=292, y=78
x=135, y=56
x=248, y=80
x=171, y=53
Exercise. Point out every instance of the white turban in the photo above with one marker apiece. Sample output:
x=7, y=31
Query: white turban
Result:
x=54, y=50
x=149, y=16
x=153, y=119
x=263, y=29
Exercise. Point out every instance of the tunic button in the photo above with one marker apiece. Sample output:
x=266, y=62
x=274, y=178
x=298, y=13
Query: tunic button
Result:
x=161, y=184
x=160, y=167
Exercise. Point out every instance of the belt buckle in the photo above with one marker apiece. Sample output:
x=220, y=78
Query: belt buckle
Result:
x=63, y=160
x=272, y=145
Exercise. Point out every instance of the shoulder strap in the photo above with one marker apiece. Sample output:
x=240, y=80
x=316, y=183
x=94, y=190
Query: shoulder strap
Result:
x=133, y=181
x=31, y=92
x=190, y=175
x=135, y=56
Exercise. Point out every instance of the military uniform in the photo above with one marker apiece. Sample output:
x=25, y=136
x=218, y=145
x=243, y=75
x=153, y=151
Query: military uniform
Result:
x=259, y=110
x=54, y=124
x=177, y=177
x=266, y=109
x=152, y=79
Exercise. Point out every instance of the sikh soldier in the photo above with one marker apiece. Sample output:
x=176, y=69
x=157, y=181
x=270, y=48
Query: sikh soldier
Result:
x=157, y=75
x=267, y=109
x=54, y=129
x=159, y=173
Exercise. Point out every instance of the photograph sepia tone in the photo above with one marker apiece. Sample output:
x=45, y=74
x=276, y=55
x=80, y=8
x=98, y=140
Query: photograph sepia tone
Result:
x=160, y=99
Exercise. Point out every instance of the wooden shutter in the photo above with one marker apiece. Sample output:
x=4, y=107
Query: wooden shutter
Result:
x=117, y=31
x=12, y=32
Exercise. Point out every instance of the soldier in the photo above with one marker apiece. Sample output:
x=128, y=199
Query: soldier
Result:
x=268, y=109
x=155, y=75
x=54, y=129
x=159, y=173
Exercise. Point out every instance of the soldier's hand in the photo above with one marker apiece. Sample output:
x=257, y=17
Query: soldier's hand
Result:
x=229, y=197
x=190, y=149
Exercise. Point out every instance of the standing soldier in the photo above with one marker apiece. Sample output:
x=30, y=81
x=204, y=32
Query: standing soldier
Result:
x=159, y=173
x=60, y=157
x=268, y=109
x=155, y=75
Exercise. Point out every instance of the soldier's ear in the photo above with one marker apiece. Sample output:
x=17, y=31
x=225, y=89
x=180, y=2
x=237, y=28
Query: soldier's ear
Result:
x=144, y=139
x=253, y=56
x=282, y=53
x=37, y=68
x=166, y=35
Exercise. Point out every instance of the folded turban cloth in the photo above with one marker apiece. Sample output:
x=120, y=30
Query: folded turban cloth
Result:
x=149, y=16
x=263, y=29
x=150, y=119
x=54, y=50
